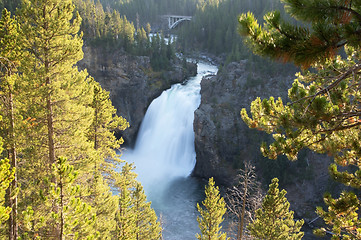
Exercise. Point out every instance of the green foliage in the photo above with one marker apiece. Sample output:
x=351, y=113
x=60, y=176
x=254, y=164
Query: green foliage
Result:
x=135, y=218
x=274, y=220
x=125, y=217
x=144, y=11
x=146, y=220
x=342, y=215
x=61, y=209
x=322, y=114
x=11, y=5
x=73, y=216
x=214, y=27
x=111, y=30
x=6, y=177
x=161, y=53
x=101, y=131
x=212, y=214
x=61, y=124
x=11, y=124
x=334, y=24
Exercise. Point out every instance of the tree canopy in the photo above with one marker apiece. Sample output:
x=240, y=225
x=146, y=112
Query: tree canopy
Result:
x=57, y=129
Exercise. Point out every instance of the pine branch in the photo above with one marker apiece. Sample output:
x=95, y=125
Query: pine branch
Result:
x=341, y=128
x=356, y=14
x=337, y=81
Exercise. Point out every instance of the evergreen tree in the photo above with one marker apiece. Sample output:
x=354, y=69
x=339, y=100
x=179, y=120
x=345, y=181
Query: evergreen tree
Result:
x=101, y=132
x=135, y=219
x=59, y=97
x=212, y=214
x=101, y=135
x=6, y=177
x=146, y=222
x=74, y=217
x=9, y=93
x=104, y=205
x=126, y=227
x=67, y=216
x=274, y=220
x=50, y=70
x=127, y=33
x=323, y=113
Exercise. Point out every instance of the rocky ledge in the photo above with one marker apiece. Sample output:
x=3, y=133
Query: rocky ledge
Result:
x=223, y=141
x=131, y=82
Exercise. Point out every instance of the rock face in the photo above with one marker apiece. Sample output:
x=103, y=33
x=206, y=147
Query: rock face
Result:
x=223, y=141
x=131, y=82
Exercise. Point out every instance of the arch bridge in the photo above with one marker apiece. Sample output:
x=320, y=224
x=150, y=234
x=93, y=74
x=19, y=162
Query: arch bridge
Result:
x=174, y=20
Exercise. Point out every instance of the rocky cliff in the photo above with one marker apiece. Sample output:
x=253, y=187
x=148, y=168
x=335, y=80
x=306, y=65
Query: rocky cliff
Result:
x=131, y=82
x=223, y=142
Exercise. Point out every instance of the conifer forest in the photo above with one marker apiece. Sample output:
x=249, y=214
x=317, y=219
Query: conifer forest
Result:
x=180, y=119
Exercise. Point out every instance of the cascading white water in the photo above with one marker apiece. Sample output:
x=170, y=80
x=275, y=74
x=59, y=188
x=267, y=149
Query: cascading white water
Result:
x=164, y=151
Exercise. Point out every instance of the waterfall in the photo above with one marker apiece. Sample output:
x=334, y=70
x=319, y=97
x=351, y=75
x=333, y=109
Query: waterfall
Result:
x=164, y=150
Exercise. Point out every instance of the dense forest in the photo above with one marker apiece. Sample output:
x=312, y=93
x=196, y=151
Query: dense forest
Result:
x=143, y=12
x=213, y=28
x=57, y=130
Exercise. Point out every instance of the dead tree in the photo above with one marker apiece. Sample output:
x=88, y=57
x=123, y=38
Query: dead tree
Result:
x=244, y=198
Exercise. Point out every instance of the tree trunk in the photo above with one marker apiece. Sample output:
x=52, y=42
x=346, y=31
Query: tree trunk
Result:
x=61, y=210
x=13, y=200
x=50, y=125
x=50, y=120
x=240, y=226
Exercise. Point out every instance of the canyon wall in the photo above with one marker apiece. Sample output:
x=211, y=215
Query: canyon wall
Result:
x=223, y=141
x=131, y=82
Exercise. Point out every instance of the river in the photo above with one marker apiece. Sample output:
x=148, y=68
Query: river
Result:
x=164, y=157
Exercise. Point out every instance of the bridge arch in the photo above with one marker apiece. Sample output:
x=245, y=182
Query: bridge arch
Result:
x=174, y=20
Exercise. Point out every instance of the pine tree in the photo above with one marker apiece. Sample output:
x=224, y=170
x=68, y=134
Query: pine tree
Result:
x=274, y=220
x=146, y=221
x=135, y=218
x=58, y=96
x=212, y=214
x=67, y=216
x=10, y=55
x=125, y=217
x=105, y=123
x=6, y=177
x=323, y=112
x=51, y=73
x=74, y=219
x=104, y=205
x=127, y=34
x=101, y=135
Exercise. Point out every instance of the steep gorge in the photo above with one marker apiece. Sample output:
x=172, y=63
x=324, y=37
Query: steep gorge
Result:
x=131, y=82
x=223, y=141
